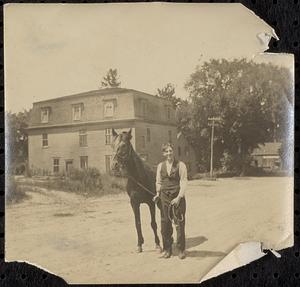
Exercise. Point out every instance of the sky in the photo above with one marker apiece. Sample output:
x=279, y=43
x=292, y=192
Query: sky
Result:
x=54, y=50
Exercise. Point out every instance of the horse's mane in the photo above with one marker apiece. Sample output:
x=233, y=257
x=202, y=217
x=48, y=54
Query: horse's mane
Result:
x=140, y=170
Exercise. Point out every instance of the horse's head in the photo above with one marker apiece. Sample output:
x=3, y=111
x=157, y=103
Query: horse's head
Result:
x=122, y=151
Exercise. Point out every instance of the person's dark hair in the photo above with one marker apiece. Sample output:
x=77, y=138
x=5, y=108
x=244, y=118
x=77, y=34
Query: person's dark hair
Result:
x=167, y=145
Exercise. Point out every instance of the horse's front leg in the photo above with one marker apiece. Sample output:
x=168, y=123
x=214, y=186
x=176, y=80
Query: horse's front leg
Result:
x=154, y=225
x=137, y=216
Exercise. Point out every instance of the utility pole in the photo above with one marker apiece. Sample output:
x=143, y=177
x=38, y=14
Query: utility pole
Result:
x=211, y=122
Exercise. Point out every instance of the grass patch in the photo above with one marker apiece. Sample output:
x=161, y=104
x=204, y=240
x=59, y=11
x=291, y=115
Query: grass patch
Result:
x=87, y=182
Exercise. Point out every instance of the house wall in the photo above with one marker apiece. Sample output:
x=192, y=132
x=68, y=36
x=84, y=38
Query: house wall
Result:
x=158, y=136
x=93, y=109
x=268, y=162
x=63, y=143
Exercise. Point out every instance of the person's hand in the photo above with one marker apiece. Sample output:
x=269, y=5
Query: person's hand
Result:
x=176, y=201
x=155, y=198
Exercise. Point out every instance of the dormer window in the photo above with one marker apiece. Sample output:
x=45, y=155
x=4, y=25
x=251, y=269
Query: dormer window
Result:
x=45, y=112
x=77, y=111
x=109, y=108
x=168, y=112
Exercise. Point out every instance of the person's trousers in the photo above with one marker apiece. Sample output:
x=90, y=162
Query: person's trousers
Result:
x=167, y=216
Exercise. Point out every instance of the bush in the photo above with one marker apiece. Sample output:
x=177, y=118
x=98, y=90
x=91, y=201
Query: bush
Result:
x=88, y=182
x=14, y=192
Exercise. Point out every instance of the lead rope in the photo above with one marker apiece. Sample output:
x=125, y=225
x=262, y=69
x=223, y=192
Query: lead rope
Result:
x=171, y=208
x=142, y=186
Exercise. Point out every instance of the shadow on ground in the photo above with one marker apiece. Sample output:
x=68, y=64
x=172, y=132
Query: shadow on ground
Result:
x=196, y=241
x=204, y=253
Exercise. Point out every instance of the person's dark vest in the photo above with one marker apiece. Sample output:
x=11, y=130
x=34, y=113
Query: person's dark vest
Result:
x=170, y=182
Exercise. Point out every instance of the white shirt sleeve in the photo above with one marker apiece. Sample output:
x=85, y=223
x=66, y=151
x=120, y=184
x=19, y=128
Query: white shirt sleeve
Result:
x=183, y=178
x=158, y=178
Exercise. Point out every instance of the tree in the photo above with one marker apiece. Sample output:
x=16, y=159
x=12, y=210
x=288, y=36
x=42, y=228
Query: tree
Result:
x=253, y=101
x=168, y=92
x=111, y=80
x=17, y=140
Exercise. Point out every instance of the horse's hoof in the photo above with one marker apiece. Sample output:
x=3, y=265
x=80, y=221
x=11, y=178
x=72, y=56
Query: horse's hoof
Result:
x=158, y=248
x=139, y=249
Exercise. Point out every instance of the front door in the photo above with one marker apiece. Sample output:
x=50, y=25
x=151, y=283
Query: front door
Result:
x=69, y=165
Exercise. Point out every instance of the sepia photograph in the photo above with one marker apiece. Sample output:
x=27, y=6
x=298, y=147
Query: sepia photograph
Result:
x=145, y=142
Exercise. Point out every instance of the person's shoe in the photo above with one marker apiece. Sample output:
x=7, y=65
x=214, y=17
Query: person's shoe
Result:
x=181, y=255
x=167, y=254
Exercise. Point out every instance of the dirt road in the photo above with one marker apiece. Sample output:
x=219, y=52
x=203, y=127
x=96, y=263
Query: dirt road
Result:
x=93, y=240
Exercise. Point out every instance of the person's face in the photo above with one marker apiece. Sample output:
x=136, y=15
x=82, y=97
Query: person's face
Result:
x=168, y=153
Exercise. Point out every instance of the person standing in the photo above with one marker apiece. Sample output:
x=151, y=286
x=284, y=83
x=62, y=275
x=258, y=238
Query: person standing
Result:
x=171, y=181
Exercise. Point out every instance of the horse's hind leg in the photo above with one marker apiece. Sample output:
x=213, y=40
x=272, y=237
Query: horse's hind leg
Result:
x=137, y=216
x=154, y=225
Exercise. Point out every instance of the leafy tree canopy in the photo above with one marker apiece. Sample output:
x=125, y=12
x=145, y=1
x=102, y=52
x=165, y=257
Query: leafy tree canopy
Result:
x=16, y=138
x=252, y=100
x=111, y=79
x=168, y=92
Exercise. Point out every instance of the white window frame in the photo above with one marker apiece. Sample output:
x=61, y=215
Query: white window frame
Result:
x=168, y=112
x=111, y=104
x=86, y=165
x=83, y=138
x=45, y=112
x=45, y=142
x=77, y=114
x=56, y=165
x=108, y=134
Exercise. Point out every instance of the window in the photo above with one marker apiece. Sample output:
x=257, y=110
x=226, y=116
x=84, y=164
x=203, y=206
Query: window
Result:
x=144, y=108
x=56, y=165
x=179, y=151
x=84, y=162
x=170, y=136
x=168, y=113
x=143, y=142
x=108, y=136
x=77, y=112
x=82, y=138
x=108, y=163
x=44, y=140
x=109, y=109
x=45, y=115
x=148, y=135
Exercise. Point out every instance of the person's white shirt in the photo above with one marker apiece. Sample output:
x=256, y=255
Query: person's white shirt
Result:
x=182, y=176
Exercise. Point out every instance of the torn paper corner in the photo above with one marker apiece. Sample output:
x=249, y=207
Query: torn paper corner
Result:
x=286, y=242
x=241, y=255
x=265, y=38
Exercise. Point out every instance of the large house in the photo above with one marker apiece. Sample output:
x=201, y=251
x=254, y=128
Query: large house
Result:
x=76, y=130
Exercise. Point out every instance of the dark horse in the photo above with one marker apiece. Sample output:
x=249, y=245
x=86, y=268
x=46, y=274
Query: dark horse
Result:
x=140, y=182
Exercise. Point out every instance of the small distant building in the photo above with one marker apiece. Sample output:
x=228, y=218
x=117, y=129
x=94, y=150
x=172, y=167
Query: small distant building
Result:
x=267, y=156
x=186, y=153
x=76, y=130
